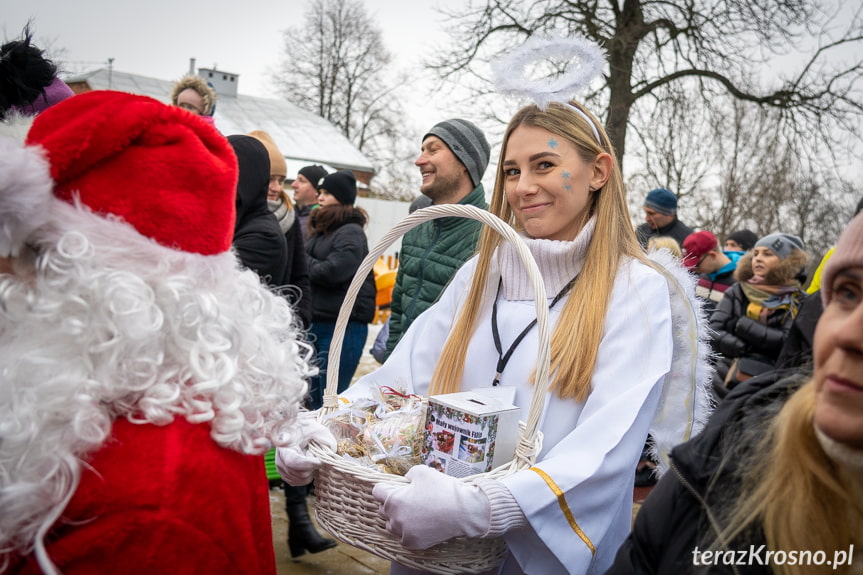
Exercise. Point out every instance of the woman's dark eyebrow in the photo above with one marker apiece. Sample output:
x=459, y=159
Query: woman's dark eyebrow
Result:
x=850, y=273
x=542, y=154
x=534, y=157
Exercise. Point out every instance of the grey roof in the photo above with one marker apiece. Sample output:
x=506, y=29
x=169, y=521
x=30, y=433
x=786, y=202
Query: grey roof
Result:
x=300, y=135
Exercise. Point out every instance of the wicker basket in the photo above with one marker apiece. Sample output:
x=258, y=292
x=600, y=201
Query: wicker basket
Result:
x=344, y=503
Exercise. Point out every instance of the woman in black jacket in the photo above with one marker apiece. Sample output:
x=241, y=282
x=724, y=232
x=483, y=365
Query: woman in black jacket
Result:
x=258, y=241
x=336, y=247
x=753, y=318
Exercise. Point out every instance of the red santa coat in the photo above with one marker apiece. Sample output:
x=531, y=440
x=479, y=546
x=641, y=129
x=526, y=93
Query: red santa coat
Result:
x=164, y=499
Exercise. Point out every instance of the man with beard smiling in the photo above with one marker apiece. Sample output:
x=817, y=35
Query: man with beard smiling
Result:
x=452, y=161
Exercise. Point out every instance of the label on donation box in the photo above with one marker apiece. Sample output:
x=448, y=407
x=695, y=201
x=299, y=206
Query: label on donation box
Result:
x=471, y=432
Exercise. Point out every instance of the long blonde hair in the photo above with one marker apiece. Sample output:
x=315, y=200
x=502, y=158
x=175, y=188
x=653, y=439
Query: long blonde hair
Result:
x=795, y=493
x=575, y=340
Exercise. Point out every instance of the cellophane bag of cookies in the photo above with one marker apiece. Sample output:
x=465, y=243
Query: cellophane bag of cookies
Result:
x=383, y=431
x=395, y=441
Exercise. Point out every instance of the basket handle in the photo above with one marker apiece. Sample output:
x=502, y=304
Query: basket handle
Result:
x=413, y=220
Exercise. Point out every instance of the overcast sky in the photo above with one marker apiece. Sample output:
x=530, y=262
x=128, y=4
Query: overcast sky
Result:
x=158, y=37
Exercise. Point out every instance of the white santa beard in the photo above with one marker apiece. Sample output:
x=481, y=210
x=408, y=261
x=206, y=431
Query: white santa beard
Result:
x=110, y=324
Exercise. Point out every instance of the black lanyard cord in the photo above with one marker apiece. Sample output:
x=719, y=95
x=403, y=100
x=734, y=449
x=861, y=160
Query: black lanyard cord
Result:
x=503, y=358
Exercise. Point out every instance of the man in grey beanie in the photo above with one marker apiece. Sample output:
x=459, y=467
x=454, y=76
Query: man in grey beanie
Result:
x=453, y=158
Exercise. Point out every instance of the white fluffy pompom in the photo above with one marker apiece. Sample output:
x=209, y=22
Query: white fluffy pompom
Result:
x=25, y=194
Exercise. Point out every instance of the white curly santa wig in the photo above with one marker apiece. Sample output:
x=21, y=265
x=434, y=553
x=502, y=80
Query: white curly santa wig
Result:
x=126, y=301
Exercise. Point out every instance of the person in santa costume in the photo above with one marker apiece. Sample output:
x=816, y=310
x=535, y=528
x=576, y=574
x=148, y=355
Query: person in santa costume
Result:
x=142, y=371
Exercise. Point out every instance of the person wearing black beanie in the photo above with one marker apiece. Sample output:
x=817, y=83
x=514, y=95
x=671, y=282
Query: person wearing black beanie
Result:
x=336, y=246
x=741, y=241
x=341, y=186
x=305, y=188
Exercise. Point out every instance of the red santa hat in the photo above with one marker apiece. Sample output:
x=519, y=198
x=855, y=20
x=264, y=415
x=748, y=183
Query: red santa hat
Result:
x=159, y=168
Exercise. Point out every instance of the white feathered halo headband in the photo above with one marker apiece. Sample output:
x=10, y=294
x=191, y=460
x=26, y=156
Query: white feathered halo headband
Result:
x=584, y=62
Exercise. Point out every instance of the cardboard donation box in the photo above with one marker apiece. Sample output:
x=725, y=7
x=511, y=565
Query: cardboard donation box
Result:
x=470, y=432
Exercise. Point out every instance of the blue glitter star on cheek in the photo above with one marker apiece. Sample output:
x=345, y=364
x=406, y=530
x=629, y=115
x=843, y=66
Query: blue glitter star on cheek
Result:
x=567, y=187
x=552, y=143
x=565, y=175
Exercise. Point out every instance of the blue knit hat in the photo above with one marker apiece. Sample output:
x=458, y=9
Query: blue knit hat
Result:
x=662, y=201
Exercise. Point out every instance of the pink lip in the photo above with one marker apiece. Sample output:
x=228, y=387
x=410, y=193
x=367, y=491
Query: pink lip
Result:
x=533, y=208
x=842, y=385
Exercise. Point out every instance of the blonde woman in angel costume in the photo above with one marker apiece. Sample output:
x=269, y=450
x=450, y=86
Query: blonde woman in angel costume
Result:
x=621, y=326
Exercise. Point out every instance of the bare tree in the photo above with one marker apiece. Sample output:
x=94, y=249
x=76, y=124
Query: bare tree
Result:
x=336, y=65
x=742, y=171
x=653, y=44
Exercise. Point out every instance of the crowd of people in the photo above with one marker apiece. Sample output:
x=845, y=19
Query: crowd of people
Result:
x=158, y=338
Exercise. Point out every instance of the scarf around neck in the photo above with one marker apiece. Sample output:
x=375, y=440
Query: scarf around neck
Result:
x=285, y=216
x=764, y=299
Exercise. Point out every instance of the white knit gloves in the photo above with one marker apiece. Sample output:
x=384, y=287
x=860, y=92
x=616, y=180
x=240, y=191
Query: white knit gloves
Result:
x=294, y=463
x=435, y=507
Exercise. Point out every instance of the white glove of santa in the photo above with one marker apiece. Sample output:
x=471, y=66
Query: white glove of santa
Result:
x=294, y=463
x=435, y=507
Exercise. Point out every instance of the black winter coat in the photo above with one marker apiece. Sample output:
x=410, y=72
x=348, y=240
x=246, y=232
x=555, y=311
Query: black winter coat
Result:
x=705, y=476
x=296, y=285
x=737, y=335
x=334, y=258
x=258, y=239
x=676, y=229
x=797, y=350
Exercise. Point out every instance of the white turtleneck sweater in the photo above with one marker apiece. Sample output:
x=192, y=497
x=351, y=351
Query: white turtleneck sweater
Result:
x=590, y=448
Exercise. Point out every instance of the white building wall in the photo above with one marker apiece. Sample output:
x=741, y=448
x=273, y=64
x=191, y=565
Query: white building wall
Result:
x=383, y=215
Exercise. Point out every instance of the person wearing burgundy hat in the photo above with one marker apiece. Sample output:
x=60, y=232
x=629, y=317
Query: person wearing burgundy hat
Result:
x=715, y=267
x=144, y=372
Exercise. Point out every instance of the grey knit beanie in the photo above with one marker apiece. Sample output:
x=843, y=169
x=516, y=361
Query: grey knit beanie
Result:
x=467, y=142
x=780, y=244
